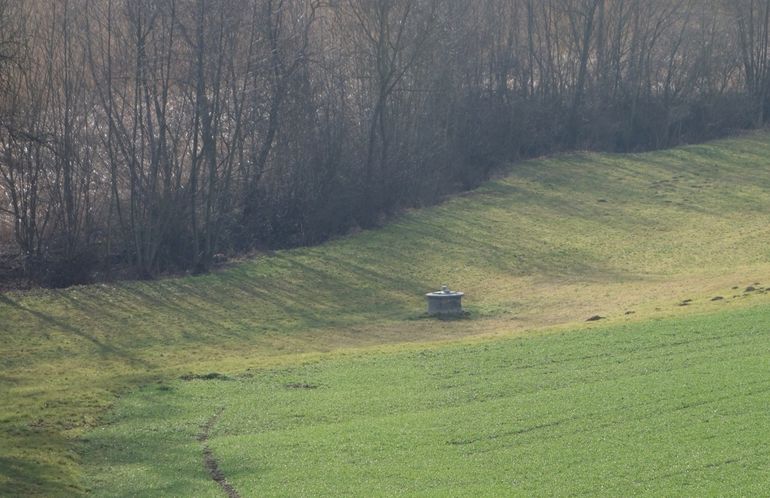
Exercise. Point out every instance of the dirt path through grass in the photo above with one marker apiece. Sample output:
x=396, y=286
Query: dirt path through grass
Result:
x=209, y=460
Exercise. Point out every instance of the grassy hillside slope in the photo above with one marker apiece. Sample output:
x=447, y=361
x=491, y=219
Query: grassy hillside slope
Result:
x=556, y=241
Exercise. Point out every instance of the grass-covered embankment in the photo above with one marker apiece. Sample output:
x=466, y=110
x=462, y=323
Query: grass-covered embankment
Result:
x=555, y=242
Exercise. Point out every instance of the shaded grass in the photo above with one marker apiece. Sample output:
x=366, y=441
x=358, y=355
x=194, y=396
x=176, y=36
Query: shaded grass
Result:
x=675, y=406
x=554, y=242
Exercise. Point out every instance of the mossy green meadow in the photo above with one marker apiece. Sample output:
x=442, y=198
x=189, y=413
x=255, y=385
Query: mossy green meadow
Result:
x=333, y=382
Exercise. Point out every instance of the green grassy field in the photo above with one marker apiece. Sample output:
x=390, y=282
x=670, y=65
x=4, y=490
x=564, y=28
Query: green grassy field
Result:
x=664, y=407
x=627, y=237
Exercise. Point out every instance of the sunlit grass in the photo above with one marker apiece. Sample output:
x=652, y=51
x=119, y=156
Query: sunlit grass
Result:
x=551, y=244
x=664, y=407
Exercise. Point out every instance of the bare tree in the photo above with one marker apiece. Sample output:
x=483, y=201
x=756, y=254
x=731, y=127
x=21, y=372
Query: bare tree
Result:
x=156, y=133
x=752, y=19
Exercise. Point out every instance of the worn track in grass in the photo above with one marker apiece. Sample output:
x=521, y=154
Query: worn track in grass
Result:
x=209, y=460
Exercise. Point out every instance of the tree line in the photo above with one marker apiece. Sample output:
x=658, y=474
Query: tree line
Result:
x=156, y=135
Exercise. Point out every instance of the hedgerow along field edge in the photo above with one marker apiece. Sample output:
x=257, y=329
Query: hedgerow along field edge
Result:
x=556, y=241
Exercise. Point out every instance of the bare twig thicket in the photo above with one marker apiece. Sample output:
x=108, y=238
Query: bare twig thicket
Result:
x=152, y=135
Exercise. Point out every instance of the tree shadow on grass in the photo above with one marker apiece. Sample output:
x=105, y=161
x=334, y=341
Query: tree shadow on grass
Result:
x=103, y=348
x=24, y=476
x=521, y=256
